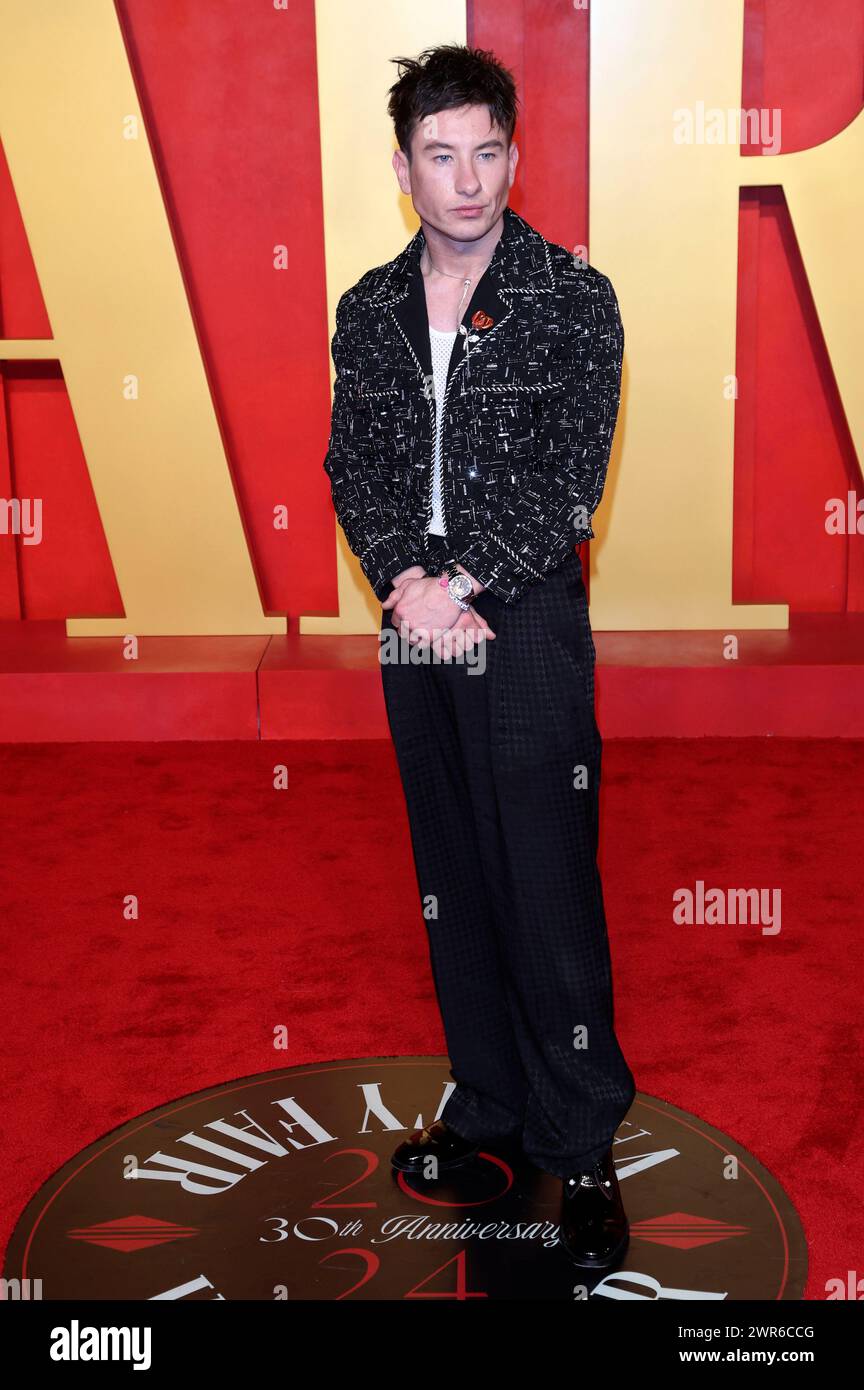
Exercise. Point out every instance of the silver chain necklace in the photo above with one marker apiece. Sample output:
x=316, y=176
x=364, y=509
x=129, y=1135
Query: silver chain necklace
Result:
x=466, y=278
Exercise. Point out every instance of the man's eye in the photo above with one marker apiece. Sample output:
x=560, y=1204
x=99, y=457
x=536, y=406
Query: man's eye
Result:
x=484, y=154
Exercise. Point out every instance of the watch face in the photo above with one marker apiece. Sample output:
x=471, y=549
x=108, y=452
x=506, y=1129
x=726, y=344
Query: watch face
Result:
x=461, y=586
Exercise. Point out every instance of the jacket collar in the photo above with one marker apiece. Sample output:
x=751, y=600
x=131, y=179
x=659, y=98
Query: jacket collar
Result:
x=520, y=264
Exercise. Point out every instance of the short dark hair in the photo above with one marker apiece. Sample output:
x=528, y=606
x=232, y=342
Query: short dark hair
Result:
x=449, y=76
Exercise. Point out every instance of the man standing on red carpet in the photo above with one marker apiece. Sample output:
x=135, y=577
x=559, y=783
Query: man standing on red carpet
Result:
x=477, y=390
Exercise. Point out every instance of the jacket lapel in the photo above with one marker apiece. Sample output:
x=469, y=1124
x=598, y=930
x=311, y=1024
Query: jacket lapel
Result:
x=519, y=265
x=485, y=310
x=412, y=315
x=413, y=318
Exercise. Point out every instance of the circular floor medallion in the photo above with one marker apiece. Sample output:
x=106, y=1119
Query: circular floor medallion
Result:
x=279, y=1186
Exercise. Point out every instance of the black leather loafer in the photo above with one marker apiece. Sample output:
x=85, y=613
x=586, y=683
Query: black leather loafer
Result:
x=594, y=1229
x=436, y=1141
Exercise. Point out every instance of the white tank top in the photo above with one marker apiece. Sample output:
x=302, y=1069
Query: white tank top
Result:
x=442, y=347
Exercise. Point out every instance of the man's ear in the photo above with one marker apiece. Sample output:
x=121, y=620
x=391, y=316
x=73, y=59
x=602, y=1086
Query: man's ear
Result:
x=402, y=170
x=513, y=158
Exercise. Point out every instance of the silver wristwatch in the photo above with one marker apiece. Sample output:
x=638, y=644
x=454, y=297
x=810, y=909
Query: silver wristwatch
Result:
x=459, y=586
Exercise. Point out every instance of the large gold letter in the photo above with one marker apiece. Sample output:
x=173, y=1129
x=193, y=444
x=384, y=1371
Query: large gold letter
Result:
x=83, y=172
x=664, y=227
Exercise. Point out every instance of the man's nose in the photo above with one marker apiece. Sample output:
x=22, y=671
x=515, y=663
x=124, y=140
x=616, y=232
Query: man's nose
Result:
x=467, y=180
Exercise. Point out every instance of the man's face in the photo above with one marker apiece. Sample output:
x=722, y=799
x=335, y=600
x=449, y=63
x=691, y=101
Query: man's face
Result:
x=460, y=172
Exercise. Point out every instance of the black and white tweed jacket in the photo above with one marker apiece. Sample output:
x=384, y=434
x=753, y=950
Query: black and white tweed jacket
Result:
x=529, y=412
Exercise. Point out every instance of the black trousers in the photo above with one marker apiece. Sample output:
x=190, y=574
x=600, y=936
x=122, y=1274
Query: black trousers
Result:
x=501, y=773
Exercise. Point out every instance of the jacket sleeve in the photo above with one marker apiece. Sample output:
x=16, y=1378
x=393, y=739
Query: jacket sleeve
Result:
x=537, y=525
x=361, y=489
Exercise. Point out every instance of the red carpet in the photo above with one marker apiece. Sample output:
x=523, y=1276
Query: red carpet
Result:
x=260, y=908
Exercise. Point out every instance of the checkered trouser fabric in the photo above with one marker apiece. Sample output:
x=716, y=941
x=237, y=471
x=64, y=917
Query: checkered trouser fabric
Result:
x=501, y=776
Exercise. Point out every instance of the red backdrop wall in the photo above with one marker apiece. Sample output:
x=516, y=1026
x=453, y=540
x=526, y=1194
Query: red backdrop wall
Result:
x=230, y=102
